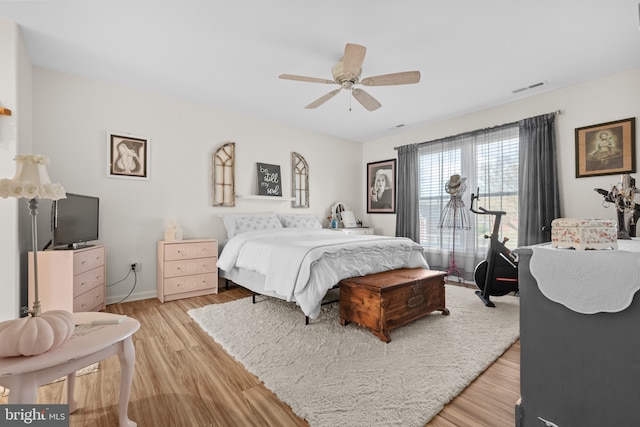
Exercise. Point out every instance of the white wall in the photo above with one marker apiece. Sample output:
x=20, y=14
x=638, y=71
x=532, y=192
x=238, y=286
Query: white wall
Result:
x=598, y=101
x=15, y=135
x=72, y=116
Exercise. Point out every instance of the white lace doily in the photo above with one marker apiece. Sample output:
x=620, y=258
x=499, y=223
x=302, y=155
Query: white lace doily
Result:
x=588, y=281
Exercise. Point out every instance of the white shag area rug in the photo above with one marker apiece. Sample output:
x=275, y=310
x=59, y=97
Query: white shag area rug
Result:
x=332, y=375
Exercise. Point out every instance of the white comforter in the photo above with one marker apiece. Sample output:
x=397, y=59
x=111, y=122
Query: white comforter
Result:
x=301, y=265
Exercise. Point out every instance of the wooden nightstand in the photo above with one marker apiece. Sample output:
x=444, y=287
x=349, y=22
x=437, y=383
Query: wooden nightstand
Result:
x=355, y=230
x=187, y=268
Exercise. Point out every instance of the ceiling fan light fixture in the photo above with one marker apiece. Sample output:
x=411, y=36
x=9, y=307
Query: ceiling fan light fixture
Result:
x=341, y=76
x=346, y=73
x=347, y=84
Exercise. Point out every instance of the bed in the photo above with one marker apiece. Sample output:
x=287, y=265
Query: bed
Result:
x=290, y=256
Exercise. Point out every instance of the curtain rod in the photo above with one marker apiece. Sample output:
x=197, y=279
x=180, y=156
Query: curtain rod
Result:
x=556, y=113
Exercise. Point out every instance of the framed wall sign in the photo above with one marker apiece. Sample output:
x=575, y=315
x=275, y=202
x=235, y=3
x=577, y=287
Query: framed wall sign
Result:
x=128, y=156
x=606, y=148
x=269, y=180
x=381, y=190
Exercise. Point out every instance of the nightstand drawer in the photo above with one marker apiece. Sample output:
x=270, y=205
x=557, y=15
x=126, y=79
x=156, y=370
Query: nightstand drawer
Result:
x=196, y=282
x=177, y=251
x=189, y=267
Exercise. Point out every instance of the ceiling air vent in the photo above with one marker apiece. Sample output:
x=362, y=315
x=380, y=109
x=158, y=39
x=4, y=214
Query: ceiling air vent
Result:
x=533, y=86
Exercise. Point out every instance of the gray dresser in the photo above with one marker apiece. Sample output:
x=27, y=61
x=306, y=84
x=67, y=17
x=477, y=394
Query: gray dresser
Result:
x=576, y=370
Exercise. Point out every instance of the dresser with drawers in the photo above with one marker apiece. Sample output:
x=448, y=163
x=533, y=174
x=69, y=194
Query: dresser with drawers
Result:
x=578, y=367
x=73, y=280
x=187, y=268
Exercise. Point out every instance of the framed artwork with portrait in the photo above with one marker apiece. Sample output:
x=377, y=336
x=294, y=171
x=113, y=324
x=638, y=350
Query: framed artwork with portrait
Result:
x=128, y=156
x=606, y=148
x=381, y=186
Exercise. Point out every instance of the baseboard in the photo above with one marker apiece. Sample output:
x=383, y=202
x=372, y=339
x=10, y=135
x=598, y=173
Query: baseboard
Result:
x=136, y=296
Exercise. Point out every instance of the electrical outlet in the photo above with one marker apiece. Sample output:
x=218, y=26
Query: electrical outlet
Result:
x=136, y=266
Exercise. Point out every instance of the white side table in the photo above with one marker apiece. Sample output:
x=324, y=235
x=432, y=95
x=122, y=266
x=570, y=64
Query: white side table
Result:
x=89, y=344
x=355, y=230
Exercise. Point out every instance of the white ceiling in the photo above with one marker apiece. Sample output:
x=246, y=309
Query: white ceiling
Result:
x=229, y=53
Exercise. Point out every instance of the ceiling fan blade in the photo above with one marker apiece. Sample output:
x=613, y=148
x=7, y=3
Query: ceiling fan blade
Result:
x=353, y=58
x=305, y=79
x=367, y=101
x=405, y=78
x=318, y=102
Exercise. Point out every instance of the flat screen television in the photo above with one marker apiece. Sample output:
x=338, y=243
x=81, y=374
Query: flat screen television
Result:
x=74, y=221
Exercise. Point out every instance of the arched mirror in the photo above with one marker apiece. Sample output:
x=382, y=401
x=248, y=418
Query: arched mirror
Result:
x=223, y=176
x=300, y=181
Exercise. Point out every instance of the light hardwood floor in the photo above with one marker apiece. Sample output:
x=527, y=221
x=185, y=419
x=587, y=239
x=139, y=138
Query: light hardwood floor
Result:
x=184, y=378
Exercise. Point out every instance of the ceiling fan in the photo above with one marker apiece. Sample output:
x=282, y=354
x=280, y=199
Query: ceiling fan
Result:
x=346, y=74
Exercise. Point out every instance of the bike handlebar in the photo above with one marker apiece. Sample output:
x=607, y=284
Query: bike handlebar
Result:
x=482, y=211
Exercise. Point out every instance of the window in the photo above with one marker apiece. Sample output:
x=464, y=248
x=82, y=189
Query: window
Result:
x=488, y=159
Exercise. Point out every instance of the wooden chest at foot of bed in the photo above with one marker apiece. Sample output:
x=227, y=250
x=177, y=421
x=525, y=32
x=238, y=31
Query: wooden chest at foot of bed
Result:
x=388, y=300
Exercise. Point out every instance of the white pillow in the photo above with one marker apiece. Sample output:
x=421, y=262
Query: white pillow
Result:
x=299, y=221
x=240, y=223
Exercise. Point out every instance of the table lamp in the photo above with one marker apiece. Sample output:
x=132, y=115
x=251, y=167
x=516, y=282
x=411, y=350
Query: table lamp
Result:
x=38, y=332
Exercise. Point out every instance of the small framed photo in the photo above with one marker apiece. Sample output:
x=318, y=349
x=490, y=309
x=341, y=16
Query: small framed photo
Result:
x=128, y=156
x=606, y=149
x=381, y=186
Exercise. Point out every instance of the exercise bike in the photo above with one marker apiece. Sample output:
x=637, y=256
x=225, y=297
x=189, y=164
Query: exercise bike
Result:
x=497, y=275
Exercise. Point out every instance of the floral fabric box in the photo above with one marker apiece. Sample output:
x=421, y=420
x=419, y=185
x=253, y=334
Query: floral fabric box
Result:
x=584, y=233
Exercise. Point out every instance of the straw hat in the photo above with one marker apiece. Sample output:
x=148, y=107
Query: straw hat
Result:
x=454, y=183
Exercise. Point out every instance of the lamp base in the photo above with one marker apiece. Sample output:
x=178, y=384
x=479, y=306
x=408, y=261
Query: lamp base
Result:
x=36, y=310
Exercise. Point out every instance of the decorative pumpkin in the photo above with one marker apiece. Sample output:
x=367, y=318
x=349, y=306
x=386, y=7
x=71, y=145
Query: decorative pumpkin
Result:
x=33, y=335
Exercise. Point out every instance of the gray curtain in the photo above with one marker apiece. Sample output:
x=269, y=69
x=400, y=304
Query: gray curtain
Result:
x=538, y=194
x=407, y=209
